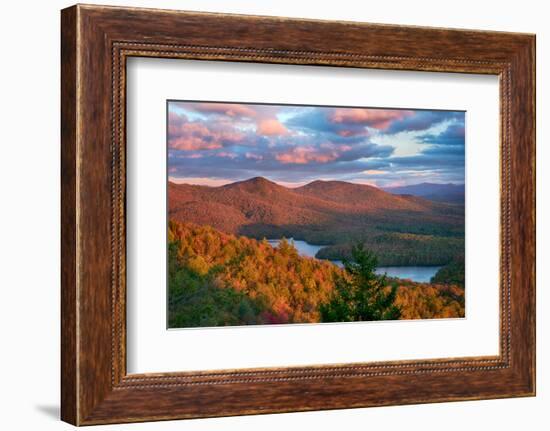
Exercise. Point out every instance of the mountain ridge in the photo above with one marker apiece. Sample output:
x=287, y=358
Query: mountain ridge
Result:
x=440, y=192
x=257, y=206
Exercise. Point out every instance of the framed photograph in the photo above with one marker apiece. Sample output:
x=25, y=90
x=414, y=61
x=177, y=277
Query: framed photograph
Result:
x=307, y=214
x=263, y=215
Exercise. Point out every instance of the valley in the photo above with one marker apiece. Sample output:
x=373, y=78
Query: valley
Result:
x=402, y=230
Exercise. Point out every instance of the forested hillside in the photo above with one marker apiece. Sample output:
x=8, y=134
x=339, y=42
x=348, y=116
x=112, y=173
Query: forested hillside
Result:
x=217, y=279
x=452, y=273
x=402, y=249
x=402, y=230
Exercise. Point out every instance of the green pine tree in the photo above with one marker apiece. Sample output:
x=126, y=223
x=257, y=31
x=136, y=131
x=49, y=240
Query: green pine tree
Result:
x=361, y=295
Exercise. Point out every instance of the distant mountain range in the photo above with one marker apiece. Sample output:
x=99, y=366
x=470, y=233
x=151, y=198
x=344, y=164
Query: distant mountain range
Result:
x=321, y=211
x=450, y=192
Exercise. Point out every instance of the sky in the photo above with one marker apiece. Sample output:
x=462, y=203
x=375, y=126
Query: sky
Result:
x=219, y=143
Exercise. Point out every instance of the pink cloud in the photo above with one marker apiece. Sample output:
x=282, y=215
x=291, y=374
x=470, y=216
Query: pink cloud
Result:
x=175, y=121
x=231, y=115
x=192, y=136
x=306, y=154
x=377, y=118
x=271, y=127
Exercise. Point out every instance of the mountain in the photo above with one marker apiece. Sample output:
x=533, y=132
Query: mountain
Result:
x=233, y=206
x=321, y=212
x=453, y=193
x=362, y=198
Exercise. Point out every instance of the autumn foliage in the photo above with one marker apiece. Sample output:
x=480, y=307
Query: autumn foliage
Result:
x=218, y=279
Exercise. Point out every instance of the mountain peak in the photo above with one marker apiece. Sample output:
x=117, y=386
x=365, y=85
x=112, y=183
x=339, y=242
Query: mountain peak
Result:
x=255, y=181
x=258, y=180
x=255, y=185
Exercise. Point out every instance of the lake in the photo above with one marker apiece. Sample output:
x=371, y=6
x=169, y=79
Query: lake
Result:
x=421, y=274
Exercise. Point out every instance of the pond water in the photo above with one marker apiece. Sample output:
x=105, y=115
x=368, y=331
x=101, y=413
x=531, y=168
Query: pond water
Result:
x=421, y=274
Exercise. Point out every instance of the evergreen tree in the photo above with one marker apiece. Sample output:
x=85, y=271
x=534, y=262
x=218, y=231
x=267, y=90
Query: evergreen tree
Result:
x=361, y=294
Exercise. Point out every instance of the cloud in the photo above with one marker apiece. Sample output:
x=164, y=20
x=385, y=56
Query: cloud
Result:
x=366, y=150
x=374, y=172
x=446, y=144
x=192, y=137
x=347, y=122
x=227, y=155
x=309, y=150
x=454, y=135
x=346, y=133
x=232, y=110
x=194, y=156
x=423, y=120
x=262, y=118
x=271, y=127
x=253, y=156
x=294, y=144
x=317, y=121
x=188, y=135
x=375, y=118
x=307, y=154
x=445, y=151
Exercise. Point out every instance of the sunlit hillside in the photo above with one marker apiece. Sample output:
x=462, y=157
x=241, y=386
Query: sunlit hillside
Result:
x=217, y=279
x=401, y=229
